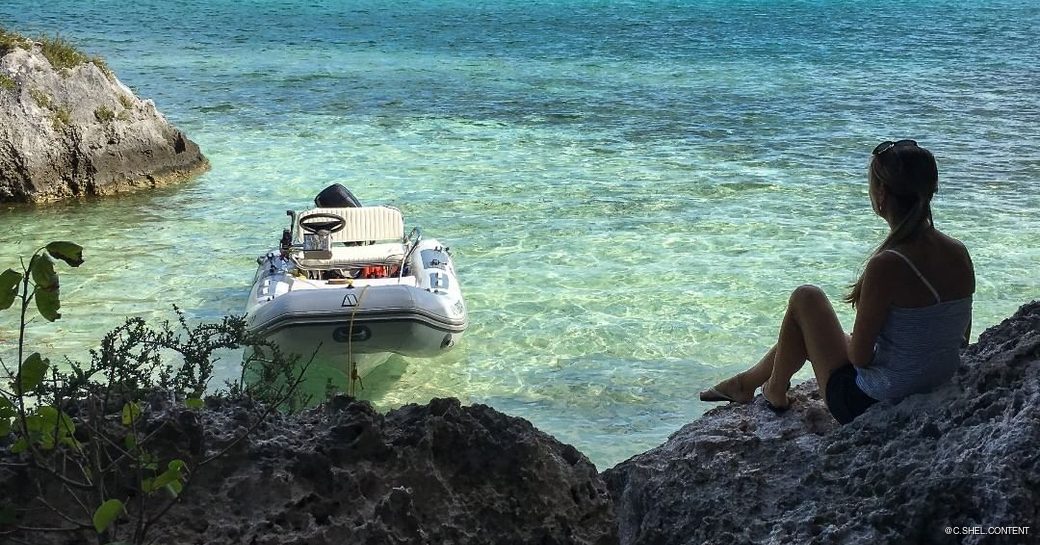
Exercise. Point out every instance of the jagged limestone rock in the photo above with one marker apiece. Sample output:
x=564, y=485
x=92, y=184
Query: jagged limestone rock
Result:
x=78, y=131
x=343, y=473
x=964, y=455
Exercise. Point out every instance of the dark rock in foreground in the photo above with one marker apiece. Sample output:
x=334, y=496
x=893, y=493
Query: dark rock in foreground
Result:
x=71, y=132
x=437, y=473
x=965, y=455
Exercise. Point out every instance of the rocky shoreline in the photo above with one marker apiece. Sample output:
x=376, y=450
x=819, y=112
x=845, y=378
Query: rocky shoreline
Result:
x=965, y=455
x=75, y=130
x=434, y=473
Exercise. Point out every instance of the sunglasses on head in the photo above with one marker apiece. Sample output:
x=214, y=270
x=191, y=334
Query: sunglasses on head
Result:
x=888, y=144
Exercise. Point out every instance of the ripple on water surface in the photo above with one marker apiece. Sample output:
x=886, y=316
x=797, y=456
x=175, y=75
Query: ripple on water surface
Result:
x=631, y=190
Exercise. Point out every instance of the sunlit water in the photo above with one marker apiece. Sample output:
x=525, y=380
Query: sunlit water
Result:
x=630, y=189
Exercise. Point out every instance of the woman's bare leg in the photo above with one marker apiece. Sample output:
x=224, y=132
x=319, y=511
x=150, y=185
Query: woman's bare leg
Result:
x=741, y=387
x=760, y=372
x=810, y=330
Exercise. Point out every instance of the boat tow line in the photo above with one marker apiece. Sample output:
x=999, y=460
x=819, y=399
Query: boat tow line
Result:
x=354, y=378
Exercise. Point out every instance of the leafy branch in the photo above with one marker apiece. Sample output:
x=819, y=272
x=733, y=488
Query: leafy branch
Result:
x=94, y=438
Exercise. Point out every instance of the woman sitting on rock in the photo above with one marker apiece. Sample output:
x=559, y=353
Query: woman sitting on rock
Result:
x=913, y=306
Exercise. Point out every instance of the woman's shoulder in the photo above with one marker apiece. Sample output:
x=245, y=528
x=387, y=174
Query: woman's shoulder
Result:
x=935, y=248
x=953, y=244
x=947, y=263
x=883, y=266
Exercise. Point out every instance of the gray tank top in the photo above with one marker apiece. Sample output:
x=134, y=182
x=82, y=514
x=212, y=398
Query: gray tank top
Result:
x=917, y=348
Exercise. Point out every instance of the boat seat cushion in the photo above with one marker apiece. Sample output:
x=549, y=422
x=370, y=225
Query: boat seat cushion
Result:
x=364, y=224
x=344, y=257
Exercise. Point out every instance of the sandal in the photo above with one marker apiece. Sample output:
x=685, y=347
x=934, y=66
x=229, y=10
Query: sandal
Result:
x=775, y=407
x=714, y=393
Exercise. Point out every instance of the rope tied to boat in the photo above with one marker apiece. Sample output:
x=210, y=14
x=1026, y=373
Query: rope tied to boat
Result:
x=355, y=379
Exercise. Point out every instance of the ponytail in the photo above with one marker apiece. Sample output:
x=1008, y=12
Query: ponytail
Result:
x=911, y=181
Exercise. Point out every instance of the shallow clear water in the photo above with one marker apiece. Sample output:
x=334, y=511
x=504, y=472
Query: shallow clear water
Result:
x=631, y=189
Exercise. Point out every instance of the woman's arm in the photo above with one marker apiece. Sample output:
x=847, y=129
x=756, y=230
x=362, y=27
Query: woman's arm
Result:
x=872, y=308
x=967, y=335
x=971, y=267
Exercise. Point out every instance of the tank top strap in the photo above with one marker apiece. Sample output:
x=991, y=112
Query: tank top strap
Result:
x=913, y=267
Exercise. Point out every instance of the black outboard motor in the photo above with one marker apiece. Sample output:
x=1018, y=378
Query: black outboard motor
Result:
x=336, y=196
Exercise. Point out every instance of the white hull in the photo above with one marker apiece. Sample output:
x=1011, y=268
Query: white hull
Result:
x=339, y=324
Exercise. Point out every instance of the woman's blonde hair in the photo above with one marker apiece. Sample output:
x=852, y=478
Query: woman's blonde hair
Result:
x=910, y=178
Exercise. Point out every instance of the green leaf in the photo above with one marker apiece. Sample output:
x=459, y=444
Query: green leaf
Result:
x=35, y=424
x=9, y=280
x=71, y=442
x=130, y=441
x=48, y=304
x=7, y=410
x=5, y=427
x=66, y=429
x=106, y=514
x=47, y=289
x=164, y=478
x=175, y=488
x=31, y=372
x=147, y=485
x=21, y=445
x=42, y=427
x=172, y=474
x=48, y=416
x=194, y=403
x=131, y=413
x=69, y=252
x=42, y=269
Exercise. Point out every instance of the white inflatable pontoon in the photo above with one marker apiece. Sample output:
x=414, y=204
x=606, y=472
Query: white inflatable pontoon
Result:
x=347, y=287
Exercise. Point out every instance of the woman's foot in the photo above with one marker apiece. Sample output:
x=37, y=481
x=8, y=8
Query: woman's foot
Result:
x=776, y=396
x=730, y=389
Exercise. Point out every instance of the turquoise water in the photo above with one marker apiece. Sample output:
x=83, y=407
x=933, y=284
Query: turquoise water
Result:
x=631, y=189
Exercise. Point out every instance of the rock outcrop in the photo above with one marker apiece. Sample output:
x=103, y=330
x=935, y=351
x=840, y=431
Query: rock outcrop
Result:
x=960, y=465
x=343, y=473
x=966, y=455
x=77, y=131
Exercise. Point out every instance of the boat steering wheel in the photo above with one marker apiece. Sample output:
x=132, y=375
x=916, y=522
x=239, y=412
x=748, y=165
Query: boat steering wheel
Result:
x=322, y=221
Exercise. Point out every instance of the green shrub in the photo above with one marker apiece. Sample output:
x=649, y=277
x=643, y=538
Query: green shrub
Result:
x=41, y=98
x=61, y=53
x=97, y=469
x=104, y=114
x=100, y=63
x=7, y=83
x=10, y=40
x=64, y=56
x=127, y=102
x=58, y=51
